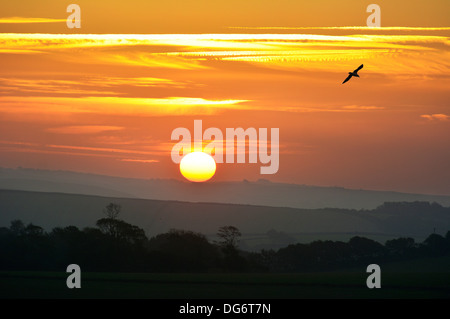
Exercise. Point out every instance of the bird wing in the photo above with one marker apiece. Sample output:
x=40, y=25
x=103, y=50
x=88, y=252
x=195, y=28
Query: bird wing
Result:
x=348, y=78
x=359, y=68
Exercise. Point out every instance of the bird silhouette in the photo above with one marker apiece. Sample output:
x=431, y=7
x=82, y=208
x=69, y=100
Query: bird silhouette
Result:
x=354, y=73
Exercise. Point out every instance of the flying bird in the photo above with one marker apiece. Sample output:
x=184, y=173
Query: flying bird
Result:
x=354, y=73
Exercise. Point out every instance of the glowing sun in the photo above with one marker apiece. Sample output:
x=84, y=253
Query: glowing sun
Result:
x=197, y=166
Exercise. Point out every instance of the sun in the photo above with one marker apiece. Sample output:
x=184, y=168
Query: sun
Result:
x=197, y=167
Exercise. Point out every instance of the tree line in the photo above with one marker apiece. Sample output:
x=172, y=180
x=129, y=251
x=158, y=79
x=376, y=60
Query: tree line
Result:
x=115, y=245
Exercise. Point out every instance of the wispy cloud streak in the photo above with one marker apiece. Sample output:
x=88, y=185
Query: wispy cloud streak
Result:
x=364, y=28
x=16, y=20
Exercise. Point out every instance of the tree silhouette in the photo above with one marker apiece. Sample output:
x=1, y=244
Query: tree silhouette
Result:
x=121, y=230
x=229, y=237
x=119, y=246
x=436, y=245
x=112, y=210
x=184, y=250
x=34, y=230
x=109, y=224
x=17, y=227
x=401, y=247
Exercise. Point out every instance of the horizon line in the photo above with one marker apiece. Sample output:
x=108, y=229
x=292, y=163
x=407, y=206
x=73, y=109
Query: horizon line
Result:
x=391, y=28
x=244, y=180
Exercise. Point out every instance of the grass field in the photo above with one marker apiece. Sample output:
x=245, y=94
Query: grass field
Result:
x=225, y=286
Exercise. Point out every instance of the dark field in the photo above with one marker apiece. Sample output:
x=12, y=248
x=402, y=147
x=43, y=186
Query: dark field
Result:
x=413, y=282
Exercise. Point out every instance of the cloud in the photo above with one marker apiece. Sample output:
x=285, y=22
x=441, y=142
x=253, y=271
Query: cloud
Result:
x=101, y=149
x=15, y=20
x=124, y=106
x=12, y=86
x=85, y=85
x=401, y=54
x=365, y=28
x=150, y=60
x=175, y=106
x=18, y=143
x=362, y=107
x=139, y=81
x=120, y=154
x=436, y=117
x=138, y=160
x=331, y=108
x=83, y=129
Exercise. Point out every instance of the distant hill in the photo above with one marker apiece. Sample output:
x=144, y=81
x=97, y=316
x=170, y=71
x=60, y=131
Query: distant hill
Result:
x=262, y=226
x=261, y=192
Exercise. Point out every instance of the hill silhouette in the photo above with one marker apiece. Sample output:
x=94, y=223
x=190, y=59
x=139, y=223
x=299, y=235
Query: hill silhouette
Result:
x=262, y=192
x=261, y=226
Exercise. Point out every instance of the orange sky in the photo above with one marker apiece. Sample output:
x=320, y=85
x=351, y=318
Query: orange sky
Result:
x=105, y=98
